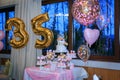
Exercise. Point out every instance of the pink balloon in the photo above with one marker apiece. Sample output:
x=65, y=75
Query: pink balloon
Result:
x=1, y=45
x=85, y=11
x=91, y=35
x=2, y=35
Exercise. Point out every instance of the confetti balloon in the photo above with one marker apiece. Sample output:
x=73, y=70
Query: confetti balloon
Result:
x=85, y=11
x=84, y=52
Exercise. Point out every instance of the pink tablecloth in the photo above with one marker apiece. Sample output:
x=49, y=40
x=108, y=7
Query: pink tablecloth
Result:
x=34, y=73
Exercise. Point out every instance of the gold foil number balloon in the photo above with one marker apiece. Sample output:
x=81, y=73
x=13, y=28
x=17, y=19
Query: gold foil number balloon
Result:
x=21, y=36
x=39, y=30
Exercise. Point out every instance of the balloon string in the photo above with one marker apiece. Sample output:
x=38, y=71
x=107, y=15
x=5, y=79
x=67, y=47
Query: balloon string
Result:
x=88, y=45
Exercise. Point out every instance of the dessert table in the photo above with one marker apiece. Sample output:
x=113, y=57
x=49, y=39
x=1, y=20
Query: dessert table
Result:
x=34, y=73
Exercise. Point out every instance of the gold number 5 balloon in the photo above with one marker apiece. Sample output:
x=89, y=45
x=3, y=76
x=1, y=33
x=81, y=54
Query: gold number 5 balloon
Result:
x=39, y=30
x=21, y=36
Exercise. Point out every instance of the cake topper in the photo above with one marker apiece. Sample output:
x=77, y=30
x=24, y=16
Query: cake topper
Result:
x=61, y=44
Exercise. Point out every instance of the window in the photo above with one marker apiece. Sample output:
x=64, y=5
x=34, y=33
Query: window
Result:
x=5, y=14
x=58, y=22
x=106, y=47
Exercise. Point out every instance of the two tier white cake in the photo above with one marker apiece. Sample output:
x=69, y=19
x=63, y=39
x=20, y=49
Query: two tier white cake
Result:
x=61, y=45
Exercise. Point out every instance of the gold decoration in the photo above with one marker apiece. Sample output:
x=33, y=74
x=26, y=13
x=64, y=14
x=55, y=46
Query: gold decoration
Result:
x=21, y=36
x=85, y=9
x=50, y=55
x=39, y=30
x=62, y=56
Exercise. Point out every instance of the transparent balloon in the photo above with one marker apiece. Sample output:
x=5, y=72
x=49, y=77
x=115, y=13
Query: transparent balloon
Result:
x=106, y=14
x=102, y=21
x=84, y=52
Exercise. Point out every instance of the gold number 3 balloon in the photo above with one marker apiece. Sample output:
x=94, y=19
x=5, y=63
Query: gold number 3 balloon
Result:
x=39, y=30
x=19, y=32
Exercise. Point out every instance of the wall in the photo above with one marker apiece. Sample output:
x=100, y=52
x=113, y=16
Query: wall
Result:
x=106, y=70
x=4, y=3
x=97, y=64
x=104, y=74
